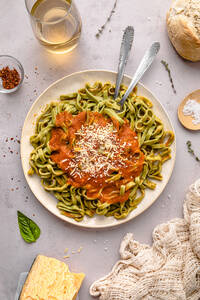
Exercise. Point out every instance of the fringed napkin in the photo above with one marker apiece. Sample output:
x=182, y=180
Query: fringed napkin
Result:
x=170, y=269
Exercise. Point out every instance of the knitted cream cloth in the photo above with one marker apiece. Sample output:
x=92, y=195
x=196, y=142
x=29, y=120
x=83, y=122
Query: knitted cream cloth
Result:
x=170, y=269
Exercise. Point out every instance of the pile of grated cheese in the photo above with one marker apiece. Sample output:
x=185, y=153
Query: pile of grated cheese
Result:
x=97, y=150
x=192, y=108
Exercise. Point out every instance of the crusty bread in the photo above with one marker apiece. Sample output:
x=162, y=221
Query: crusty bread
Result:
x=183, y=25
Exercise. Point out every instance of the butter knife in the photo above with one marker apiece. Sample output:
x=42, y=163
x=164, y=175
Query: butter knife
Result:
x=126, y=45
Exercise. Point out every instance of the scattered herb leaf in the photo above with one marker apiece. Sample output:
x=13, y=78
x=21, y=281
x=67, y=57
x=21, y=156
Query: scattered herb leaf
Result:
x=166, y=65
x=30, y=232
x=190, y=150
x=101, y=29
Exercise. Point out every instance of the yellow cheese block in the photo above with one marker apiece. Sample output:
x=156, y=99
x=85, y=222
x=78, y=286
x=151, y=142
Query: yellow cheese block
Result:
x=50, y=279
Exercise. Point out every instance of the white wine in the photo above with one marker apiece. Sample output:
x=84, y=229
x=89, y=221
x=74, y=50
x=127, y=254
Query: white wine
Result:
x=57, y=24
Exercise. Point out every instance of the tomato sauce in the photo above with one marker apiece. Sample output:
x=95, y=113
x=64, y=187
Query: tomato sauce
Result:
x=67, y=143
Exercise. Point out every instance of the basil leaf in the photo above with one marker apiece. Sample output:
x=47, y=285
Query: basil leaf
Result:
x=30, y=232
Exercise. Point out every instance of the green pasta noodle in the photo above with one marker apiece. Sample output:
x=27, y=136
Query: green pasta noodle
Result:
x=153, y=140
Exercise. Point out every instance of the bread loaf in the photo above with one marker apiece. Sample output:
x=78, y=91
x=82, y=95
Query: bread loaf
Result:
x=183, y=25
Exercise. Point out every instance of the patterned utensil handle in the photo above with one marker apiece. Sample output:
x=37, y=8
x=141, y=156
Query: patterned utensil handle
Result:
x=126, y=45
x=146, y=61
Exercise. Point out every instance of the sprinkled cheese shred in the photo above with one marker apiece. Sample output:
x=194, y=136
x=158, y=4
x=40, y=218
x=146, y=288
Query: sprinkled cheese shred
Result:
x=95, y=151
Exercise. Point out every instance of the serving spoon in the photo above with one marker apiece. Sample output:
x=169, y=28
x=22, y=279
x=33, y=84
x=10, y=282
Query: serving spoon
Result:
x=145, y=63
x=126, y=45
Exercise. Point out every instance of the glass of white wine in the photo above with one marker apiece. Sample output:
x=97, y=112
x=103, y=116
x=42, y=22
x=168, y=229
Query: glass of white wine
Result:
x=55, y=23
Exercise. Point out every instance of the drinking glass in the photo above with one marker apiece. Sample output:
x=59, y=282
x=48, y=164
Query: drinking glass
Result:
x=55, y=23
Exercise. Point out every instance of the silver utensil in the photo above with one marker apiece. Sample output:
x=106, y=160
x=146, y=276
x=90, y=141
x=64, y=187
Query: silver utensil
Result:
x=146, y=61
x=126, y=45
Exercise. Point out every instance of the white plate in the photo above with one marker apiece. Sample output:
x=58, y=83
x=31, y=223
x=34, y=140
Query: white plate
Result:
x=69, y=84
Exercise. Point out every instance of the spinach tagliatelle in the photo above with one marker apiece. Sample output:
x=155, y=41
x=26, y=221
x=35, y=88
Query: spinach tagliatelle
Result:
x=96, y=157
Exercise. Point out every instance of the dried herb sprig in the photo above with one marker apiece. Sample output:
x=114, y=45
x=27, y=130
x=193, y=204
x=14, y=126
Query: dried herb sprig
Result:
x=166, y=65
x=190, y=150
x=101, y=29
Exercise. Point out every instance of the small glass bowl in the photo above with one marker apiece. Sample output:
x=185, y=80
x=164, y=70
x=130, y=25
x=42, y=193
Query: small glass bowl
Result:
x=11, y=62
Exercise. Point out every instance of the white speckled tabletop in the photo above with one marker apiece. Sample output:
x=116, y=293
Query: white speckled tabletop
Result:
x=100, y=248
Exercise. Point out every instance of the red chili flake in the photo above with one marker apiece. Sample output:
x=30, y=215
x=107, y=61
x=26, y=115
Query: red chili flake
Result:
x=18, y=141
x=10, y=78
x=16, y=152
x=17, y=188
x=4, y=155
x=6, y=140
x=11, y=151
x=11, y=139
x=12, y=190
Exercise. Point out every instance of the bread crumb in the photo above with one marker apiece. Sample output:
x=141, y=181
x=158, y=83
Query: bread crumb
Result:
x=159, y=83
x=66, y=256
x=66, y=250
x=73, y=252
x=80, y=249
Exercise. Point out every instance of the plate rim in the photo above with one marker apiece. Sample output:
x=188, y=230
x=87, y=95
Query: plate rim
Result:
x=70, y=220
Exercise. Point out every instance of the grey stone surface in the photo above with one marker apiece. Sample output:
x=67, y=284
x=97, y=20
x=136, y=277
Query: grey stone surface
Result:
x=16, y=38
